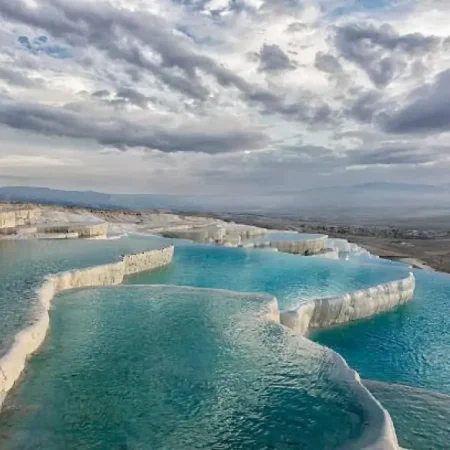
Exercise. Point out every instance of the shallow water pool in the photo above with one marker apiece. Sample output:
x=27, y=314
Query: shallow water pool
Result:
x=170, y=368
x=292, y=279
x=24, y=263
x=409, y=345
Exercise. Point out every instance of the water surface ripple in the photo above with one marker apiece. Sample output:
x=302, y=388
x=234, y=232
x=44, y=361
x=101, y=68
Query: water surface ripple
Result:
x=170, y=368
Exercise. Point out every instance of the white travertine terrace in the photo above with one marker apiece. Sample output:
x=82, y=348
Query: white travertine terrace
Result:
x=29, y=340
x=378, y=435
x=12, y=217
x=342, y=245
x=324, y=312
x=81, y=230
x=234, y=235
x=229, y=234
x=23, y=221
x=321, y=313
x=328, y=253
x=313, y=246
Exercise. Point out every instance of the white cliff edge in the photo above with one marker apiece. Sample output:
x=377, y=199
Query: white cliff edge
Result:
x=320, y=313
x=311, y=246
x=29, y=340
x=379, y=433
x=324, y=312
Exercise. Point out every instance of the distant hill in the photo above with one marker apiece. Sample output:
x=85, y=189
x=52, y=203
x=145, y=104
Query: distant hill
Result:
x=393, y=188
x=90, y=198
x=360, y=200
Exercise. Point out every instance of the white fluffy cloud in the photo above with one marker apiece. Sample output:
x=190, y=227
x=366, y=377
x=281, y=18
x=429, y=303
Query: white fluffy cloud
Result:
x=181, y=96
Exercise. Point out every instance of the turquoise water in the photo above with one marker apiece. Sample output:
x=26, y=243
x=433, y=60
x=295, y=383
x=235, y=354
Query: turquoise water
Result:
x=291, y=278
x=23, y=264
x=411, y=346
x=169, y=368
x=421, y=417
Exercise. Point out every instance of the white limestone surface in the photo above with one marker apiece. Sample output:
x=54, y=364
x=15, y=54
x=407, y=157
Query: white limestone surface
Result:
x=12, y=216
x=299, y=247
x=349, y=248
x=28, y=340
x=323, y=312
x=223, y=233
x=328, y=253
x=380, y=431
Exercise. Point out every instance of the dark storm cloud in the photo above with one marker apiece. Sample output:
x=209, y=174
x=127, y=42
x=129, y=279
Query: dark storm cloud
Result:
x=122, y=133
x=327, y=63
x=123, y=36
x=273, y=59
x=382, y=52
x=427, y=112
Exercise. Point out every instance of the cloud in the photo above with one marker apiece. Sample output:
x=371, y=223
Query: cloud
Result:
x=40, y=45
x=101, y=93
x=381, y=51
x=185, y=87
x=134, y=97
x=122, y=133
x=295, y=27
x=85, y=24
x=327, y=63
x=428, y=111
x=393, y=155
x=282, y=6
x=179, y=66
x=367, y=106
x=273, y=59
x=19, y=78
x=124, y=96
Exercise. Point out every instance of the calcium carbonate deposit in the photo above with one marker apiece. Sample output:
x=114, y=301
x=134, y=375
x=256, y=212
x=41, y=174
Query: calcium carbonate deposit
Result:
x=205, y=357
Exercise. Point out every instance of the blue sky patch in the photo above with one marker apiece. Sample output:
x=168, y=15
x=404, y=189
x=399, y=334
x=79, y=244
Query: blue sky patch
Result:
x=41, y=45
x=353, y=6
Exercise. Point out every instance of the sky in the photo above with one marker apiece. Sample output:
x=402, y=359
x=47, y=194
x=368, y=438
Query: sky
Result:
x=235, y=97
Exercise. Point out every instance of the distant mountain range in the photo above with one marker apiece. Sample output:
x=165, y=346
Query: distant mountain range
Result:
x=84, y=198
x=368, y=199
x=395, y=188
